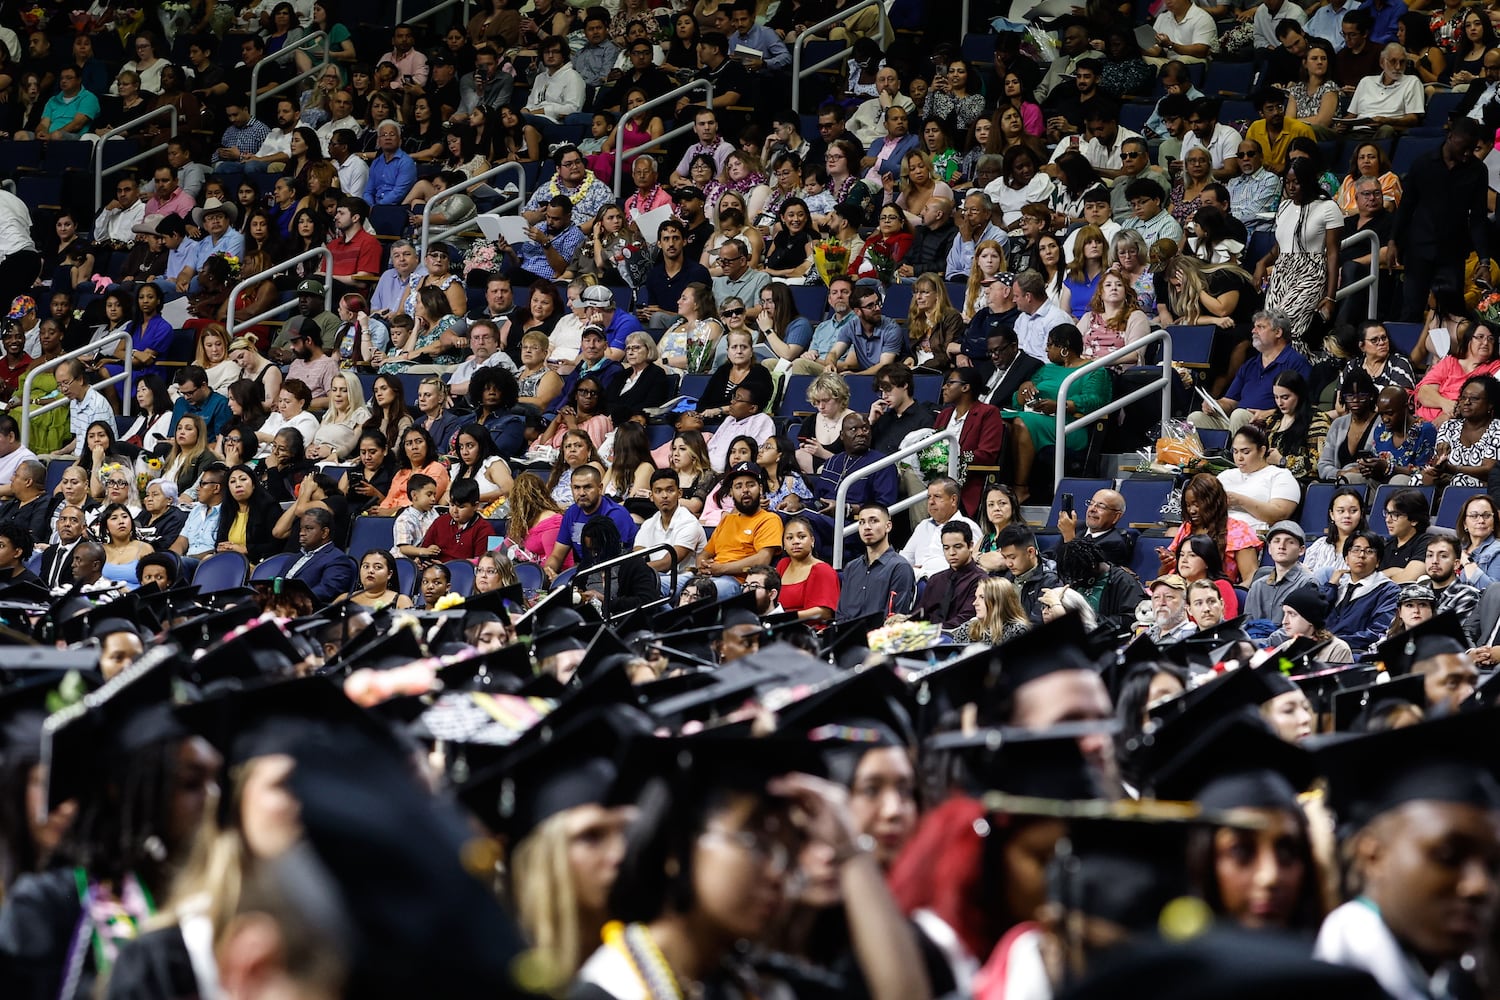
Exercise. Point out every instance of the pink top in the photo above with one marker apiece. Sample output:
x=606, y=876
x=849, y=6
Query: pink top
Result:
x=543, y=536
x=1031, y=119
x=1449, y=377
x=398, y=497
x=819, y=590
x=1239, y=536
x=597, y=428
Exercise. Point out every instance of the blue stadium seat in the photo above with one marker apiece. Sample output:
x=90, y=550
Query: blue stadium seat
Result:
x=72, y=156
x=693, y=385
x=794, y=395
x=1191, y=345
x=530, y=575
x=20, y=155
x=1315, y=501
x=1439, y=107
x=1213, y=439
x=1133, y=115
x=274, y=566
x=1404, y=336
x=811, y=301
x=406, y=576
x=463, y=576
x=1143, y=499
x=928, y=388
x=388, y=220
x=1145, y=563
x=1226, y=78
x=1453, y=500
x=221, y=571
x=897, y=302
x=659, y=434
x=371, y=533
x=1411, y=149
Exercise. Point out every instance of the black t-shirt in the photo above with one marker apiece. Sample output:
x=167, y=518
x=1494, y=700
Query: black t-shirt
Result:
x=697, y=242
x=1397, y=556
x=788, y=250
x=730, y=76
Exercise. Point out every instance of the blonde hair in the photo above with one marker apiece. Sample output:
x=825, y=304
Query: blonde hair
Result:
x=504, y=568
x=356, y=391
x=976, y=277
x=200, y=356
x=830, y=384
x=1085, y=236
x=1002, y=603
x=544, y=896
x=537, y=338
x=921, y=325
x=189, y=456
x=529, y=500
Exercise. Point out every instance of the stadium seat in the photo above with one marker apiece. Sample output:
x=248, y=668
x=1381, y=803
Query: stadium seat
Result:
x=794, y=396
x=1223, y=78
x=1315, y=501
x=274, y=566
x=221, y=571
x=388, y=220
x=693, y=385
x=1145, y=564
x=811, y=300
x=1082, y=490
x=1191, y=345
x=1404, y=336
x=897, y=302
x=861, y=392
x=1411, y=149
x=530, y=575
x=1143, y=498
x=370, y=532
x=1452, y=501
x=406, y=576
x=463, y=576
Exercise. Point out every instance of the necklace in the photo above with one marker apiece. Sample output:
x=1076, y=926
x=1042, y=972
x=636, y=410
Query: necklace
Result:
x=639, y=949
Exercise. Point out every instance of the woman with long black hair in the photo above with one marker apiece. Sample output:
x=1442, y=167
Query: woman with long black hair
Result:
x=247, y=520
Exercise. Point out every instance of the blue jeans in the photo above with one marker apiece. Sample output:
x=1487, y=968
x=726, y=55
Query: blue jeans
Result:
x=727, y=586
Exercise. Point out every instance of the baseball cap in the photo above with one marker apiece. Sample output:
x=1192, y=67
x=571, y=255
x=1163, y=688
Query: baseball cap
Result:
x=20, y=306
x=597, y=295
x=1170, y=580
x=311, y=286
x=1287, y=527
x=690, y=191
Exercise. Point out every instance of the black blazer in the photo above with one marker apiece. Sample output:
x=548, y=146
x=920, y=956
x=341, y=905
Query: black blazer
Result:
x=1021, y=371
x=259, y=540
x=50, y=559
x=655, y=386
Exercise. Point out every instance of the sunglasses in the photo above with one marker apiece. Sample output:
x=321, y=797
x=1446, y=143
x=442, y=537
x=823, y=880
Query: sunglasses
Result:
x=733, y=312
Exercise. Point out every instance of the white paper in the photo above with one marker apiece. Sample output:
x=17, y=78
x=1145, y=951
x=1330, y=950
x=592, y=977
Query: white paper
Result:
x=1145, y=36
x=176, y=312
x=1217, y=409
x=1029, y=11
x=511, y=228
x=649, y=223
x=746, y=52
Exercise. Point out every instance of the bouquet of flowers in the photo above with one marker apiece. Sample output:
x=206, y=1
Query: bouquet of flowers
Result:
x=34, y=18
x=233, y=262
x=1489, y=307
x=933, y=460
x=882, y=264
x=633, y=260
x=700, y=353
x=483, y=257
x=831, y=258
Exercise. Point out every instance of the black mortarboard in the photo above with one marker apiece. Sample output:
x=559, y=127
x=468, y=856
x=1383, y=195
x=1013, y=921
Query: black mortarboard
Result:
x=849, y=638
x=284, y=586
x=605, y=651
x=557, y=765
x=1221, y=696
x=495, y=600
x=404, y=888
x=1223, y=964
x=527, y=623
x=210, y=627
x=1355, y=708
x=727, y=761
x=1009, y=765
x=97, y=737
x=25, y=593
x=557, y=632
x=1486, y=693
x=1234, y=762
x=849, y=715
x=396, y=648
x=739, y=610
x=1402, y=653
x=1208, y=647
x=1049, y=648
x=279, y=717
x=23, y=710
x=123, y=614
x=945, y=688
x=1320, y=687
x=500, y=670
x=231, y=597
x=1123, y=866
x=774, y=666
x=261, y=651
x=1451, y=759
x=691, y=647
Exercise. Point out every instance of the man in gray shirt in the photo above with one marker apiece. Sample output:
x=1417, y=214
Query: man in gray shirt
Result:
x=880, y=580
x=1285, y=542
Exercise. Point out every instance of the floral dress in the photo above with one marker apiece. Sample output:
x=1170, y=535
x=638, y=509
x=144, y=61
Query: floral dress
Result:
x=1416, y=447
x=1239, y=535
x=791, y=485
x=1303, y=464
x=1487, y=447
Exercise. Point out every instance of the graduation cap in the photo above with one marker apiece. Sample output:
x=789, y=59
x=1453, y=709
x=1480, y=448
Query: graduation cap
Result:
x=1355, y=708
x=23, y=710
x=167, y=603
x=558, y=632
x=1450, y=759
x=261, y=651
x=777, y=665
x=1017, y=770
x=1208, y=646
x=691, y=647
x=283, y=586
x=527, y=623
x=231, y=597
x=495, y=600
x=1125, y=864
x=210, y=627
x=25, y=594
x=946, y=687
x=849, y=640
x=395, y=648
x=694, y=766
x=1223, y=964
x=499, y=670
x=280, y=716
x=1321, y=687
x=97, y=737
x=1234, y=762
x=850, y=715
x=1043, y=650
x=393, y=878
x=1486, y=693
x=1223, y=695
x=578, y=763
x=1407, y=652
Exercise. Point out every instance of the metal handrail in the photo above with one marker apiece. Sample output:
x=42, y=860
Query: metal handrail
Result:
x=99, y=168
x=424, y=15
x=300, y=45
x=91, y=348
x=799, y=71
x=255, y=279
x=609, y=564
x=1162, y=384
x=670, y=97
x=1371, y=280
x=518, y=202
x=841, y=497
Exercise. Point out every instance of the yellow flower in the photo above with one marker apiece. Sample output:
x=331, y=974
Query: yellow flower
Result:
x=448, y=601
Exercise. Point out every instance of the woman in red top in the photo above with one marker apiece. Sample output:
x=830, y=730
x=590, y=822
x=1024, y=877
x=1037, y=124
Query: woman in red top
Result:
x=809, y=586
x=892, y=239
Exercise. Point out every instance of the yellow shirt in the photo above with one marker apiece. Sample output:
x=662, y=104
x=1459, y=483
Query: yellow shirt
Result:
x=238, y=526
x=1274, y=153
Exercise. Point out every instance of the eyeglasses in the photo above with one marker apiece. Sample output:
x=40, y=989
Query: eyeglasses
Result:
x=1480, y=515
x=733, y=312
x=952, y=383
x=587, y=392
x=760, y=846
x=1360, y=551
x=116, y=482
x=1392, y=515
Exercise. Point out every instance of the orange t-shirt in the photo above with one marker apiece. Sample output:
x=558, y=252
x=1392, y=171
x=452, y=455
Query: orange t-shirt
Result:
x=739, y=537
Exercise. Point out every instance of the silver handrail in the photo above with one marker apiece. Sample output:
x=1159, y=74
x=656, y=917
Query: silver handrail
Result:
x=255, y=279
x=518, y=202
x=799, y=71
x=300, y=45
x=1162, y=384
x=670, y=97
x=100, y=169
x=94, y=347
x=841, y=497
x=609, y=564
x=424, y=15
x=1371, y=280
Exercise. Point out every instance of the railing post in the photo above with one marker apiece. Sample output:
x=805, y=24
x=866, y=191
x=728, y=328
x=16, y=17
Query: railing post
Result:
x=299, y=45
x=670, y=97
x=470, y=182
x=29, y=383
x=100, y=170
x=246, y=282
x=841, y=495
x=842, y=17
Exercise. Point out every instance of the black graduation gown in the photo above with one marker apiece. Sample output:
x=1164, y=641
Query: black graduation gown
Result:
x=37, y=925
x=154, y=967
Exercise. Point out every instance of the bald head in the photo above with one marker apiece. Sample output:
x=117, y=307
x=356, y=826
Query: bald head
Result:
x=1105, y=510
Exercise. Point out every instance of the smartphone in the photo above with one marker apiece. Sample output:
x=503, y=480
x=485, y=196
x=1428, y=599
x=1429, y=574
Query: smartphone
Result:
x=1067, y=503
x=354, y=477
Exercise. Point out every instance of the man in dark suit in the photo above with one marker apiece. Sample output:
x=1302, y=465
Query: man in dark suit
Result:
x=1007, y=369
x=57, y=561
x=1482, y=103
x=1101, y=526
x=1483, y=624
x=323, y=566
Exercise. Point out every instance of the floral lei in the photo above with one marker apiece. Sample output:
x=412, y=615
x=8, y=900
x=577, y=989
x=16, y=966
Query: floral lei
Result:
x=746, y=184
x=841, y=191
x=589, y=180
x=642, y=200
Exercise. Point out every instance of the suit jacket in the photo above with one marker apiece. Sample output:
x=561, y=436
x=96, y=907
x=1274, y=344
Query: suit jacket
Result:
x=981, y=439
x=1490, y=112
x=1364, y=621
x=33, y=516
x=1114, y=543
x=53, y=574
x=653, y=388
x=949, y=597
x=328, y=573
x=1021, y=371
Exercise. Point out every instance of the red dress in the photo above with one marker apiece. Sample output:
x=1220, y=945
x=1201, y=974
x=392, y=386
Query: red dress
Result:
x=819, y=590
